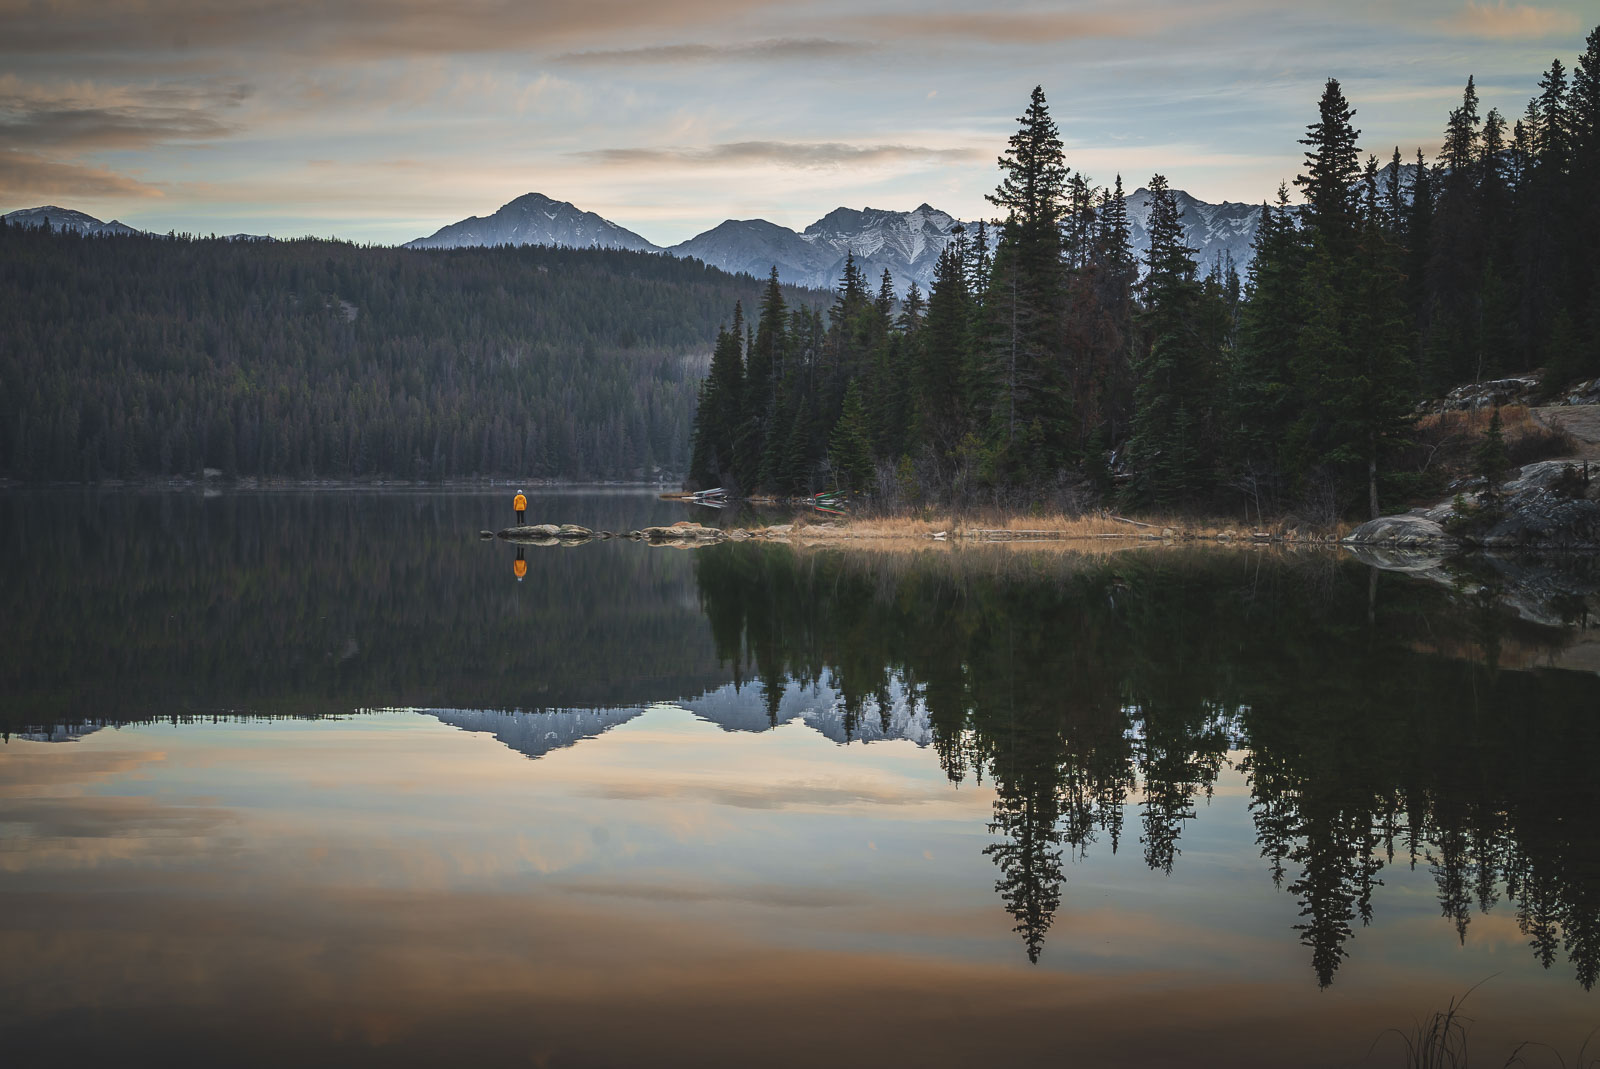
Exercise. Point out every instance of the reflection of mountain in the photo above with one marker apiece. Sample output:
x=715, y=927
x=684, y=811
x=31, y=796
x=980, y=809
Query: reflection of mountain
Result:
x=59, y=733
x=821, y=707
x=818, y=707
x=536, y=734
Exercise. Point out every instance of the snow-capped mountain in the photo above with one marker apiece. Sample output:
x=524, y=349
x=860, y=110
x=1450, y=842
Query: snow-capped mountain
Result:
x=66, y=219
x=1213, y=230
x=535, y=219
x=906, y=244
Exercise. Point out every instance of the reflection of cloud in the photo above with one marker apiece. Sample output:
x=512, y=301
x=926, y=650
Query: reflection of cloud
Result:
x=782, y=48
x=1505, y=21
x=777, y=895
x=809, y=154
x=768, y=795
x=380, y=978
x=110, y=817
x=58, y=770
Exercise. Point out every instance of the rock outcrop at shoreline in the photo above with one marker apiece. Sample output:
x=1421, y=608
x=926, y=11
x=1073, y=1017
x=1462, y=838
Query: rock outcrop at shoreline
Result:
x=1547, y=505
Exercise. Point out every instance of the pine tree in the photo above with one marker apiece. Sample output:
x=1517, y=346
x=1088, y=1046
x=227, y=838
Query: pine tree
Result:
x=1332, y=164
x=1350, y=367
x=1178, y=373
x=764, y=372
x=850, y=445
x=718, y=418
x=1262, y=402
x=942, y=398
x=1026, y=302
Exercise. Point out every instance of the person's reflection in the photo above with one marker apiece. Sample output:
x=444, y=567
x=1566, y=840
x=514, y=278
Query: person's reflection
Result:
x=520, y=567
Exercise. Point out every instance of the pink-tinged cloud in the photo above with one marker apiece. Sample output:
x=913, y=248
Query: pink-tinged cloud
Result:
x=1504, y=21
x=25, y=175
x=345, y=29
x=1002, y=28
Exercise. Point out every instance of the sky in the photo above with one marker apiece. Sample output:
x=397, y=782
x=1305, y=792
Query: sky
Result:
x=382, y=120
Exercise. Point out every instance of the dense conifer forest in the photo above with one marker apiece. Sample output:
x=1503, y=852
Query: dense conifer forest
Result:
x=126, y=357
x=1048, y=367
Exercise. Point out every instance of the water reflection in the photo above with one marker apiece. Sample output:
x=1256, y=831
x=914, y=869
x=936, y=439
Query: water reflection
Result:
x=1380, y=724
x=126, y=605
x=1079, y=685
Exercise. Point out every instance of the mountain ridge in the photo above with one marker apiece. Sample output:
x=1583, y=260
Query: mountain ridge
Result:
x=905, y=243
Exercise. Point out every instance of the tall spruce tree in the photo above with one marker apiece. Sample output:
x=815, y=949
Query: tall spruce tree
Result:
x=1350, y=366
x=1031, y=426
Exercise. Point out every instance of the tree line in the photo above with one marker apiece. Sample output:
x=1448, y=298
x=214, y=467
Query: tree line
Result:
x=128, y=357
x=1048, y=363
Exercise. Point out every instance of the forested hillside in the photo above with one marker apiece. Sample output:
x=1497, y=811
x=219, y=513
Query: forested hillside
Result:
x=1058, y=368
x=127, y=357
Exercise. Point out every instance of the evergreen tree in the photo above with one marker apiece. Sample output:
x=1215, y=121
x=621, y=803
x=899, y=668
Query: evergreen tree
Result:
x=1025, y=304
x=1263, y=405
x=1175, y=401
x=1332, y=164
x=850, y=445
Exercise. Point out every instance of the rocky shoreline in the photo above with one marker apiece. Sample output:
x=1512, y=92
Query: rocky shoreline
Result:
x=1548, y=505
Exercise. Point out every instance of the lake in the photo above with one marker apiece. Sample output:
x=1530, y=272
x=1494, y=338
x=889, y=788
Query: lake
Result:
x=314, y=778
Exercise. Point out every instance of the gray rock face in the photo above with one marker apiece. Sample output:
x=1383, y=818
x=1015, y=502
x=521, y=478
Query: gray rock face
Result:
x=1512, y=391
x=755, y=247
x=1413, y=529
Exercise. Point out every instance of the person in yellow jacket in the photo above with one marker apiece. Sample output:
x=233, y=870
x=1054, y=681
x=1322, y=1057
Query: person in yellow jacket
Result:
x=520, y=504
x=520, y=568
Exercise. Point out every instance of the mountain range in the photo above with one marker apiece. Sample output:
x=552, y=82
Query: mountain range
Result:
x=906, y=244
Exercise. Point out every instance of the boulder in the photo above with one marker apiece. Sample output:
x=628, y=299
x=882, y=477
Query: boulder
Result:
x=572, y=530
x=683, y=532
x=1413, y=529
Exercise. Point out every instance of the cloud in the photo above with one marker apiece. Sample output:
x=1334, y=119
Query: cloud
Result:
x=347, y=28
x=802, y=154
x=1506, y=21
x=777, y=49
x=25, y=174
x=98, y=117
x=1009, y=29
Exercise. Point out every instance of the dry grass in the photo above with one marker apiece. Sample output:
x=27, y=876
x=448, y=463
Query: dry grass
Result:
x=1098, y=528
x=1446, y=439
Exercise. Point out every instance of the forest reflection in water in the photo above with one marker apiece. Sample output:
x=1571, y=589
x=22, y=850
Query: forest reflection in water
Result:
x=1089, y=690
x=1380, y=733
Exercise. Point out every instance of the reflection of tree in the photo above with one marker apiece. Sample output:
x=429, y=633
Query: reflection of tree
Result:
x=128, y=605
x=1078, y=688
x=1029, y=857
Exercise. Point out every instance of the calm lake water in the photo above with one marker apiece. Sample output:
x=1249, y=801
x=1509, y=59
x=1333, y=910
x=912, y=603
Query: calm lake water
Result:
x=313, y=778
